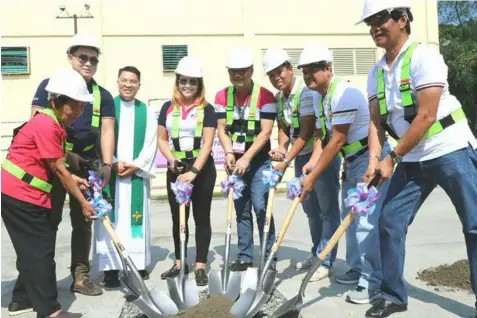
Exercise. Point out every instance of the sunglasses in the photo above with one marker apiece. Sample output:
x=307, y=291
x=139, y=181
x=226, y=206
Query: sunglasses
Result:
x=382, y=17
x=191, y=82
x=83, y=58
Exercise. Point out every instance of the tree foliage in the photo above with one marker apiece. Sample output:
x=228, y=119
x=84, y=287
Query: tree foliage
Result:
x=458, y=39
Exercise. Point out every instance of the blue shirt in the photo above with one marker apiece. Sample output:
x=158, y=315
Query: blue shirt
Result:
x=82, y=126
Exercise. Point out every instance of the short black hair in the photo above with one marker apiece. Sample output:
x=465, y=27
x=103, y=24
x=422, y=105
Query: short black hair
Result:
x=131, y=69
x=398, y=13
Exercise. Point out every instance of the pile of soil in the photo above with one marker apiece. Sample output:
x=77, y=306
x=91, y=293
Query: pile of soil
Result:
x=215, y=306
x=456, y=275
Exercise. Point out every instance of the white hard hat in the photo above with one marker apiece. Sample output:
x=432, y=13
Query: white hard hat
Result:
x=70, y=83
x=239, y=57
x=189, y=66
x=314, y=53
x=372, y=7
x=83, y=39
x=274, y=57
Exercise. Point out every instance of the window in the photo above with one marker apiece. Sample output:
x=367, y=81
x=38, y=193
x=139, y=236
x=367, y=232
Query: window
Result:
x=171, y=55
x=15, y=60
x=345, y=61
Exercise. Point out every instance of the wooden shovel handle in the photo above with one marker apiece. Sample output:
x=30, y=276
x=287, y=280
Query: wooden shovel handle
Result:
x=112, y=234
x=285, y=225
x=268, y=215
x=230, y=203
x=336, y=237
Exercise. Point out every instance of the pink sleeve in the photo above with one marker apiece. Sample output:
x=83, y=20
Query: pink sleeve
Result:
x=49, y=138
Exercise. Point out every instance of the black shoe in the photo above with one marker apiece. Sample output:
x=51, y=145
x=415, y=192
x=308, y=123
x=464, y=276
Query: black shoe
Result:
x=144, y=274
x=174, y=271
x=384, y=308
x=111, y=279
x=18, y=309
x=240, y=266
x=201, y=278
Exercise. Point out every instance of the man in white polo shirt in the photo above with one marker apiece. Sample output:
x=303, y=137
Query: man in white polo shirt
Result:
x=409, y=97
x=343, y=125
x=296, y=106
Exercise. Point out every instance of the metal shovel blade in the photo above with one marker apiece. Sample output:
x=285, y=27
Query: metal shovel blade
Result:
x=162, y=301
x=183, y=292
x=250, y=279
x=229, y=289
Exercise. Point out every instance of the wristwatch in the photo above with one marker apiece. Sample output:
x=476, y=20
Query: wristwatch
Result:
x=194, y=170
x=395, y=157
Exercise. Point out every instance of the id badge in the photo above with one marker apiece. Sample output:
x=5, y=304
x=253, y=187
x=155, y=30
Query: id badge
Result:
x=238, y=147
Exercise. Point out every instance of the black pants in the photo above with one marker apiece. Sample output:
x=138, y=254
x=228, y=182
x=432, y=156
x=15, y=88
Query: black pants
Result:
x=201, y=203
x=33, y=240
x=81, y=234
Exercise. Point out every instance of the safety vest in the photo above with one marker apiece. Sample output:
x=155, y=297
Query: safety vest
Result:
x=408, y=102
x=252, y=128
x=176, y=118
x=347, y=148
x=295, y=113
x=25, y=176
x=94, y=121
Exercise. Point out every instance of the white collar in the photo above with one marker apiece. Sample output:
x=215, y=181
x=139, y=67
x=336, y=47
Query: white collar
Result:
x=382, y=62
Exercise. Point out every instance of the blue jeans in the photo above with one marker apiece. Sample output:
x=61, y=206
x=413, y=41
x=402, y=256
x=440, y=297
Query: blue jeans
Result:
x=255, y=194
x=410, y=185
x=322, y=206
x=362, y=236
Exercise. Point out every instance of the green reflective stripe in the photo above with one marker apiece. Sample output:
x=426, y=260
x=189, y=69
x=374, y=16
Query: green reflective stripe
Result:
x=296, y=105
x=383, y=109
x=176, y=116
x=355, y=146
x=20, y=173
x=405, y=85
x=230, y=106
x=49, y=112
x=96, y=106
x=200, y=121
x=247, y=138
x=329, y=96
x=88, y=148
x=183, y=154
x=68, y=146
x=437, y=127
x=252, y=110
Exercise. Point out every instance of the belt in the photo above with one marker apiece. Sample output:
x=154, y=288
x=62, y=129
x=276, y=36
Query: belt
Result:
x=357, y=154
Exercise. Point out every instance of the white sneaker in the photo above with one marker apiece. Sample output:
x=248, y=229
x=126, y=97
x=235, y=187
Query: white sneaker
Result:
x=321, y=273
x=306, y=263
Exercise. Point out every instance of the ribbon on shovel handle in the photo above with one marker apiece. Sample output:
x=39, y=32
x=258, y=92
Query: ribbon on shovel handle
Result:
x=295, y=187
x=183, y=191
x=362, y=198
x=99, y=203
x=271, y=177
x=235, y=182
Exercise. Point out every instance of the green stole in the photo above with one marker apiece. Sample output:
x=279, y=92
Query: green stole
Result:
x=137, y=183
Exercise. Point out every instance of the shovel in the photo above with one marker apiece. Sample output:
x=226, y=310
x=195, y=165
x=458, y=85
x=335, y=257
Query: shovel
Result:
x=250, y=303
x=251, y=276
x=154, y=303
x=292, y=304
x=183, y=291
x=225, y=282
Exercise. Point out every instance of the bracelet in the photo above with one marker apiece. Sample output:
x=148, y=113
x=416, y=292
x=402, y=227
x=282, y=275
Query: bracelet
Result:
x=194, y=170
x=230, y=153
x=375, y=156
x=108, y=164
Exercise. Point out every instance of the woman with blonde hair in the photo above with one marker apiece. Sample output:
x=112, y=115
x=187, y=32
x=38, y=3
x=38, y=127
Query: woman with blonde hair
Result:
x=186, y=130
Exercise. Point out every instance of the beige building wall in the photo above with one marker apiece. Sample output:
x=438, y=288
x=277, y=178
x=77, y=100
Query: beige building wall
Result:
x=133, y=32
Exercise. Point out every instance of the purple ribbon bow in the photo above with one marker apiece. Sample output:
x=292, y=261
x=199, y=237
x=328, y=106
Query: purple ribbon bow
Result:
x=99, y=203
x=294, y=188
x=271, y=177
x=361, y=199
x=183, y=191
x=235, y=182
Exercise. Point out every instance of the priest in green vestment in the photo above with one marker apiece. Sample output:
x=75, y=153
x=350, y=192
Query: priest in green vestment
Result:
x=134, y=164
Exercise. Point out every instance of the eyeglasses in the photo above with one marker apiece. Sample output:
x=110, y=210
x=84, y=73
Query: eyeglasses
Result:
x=125, y=81
x=83, y=58
x=191, y=82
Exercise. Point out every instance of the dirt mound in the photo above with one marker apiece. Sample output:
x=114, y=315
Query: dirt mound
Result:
x=213, y=307
x=456, y=275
